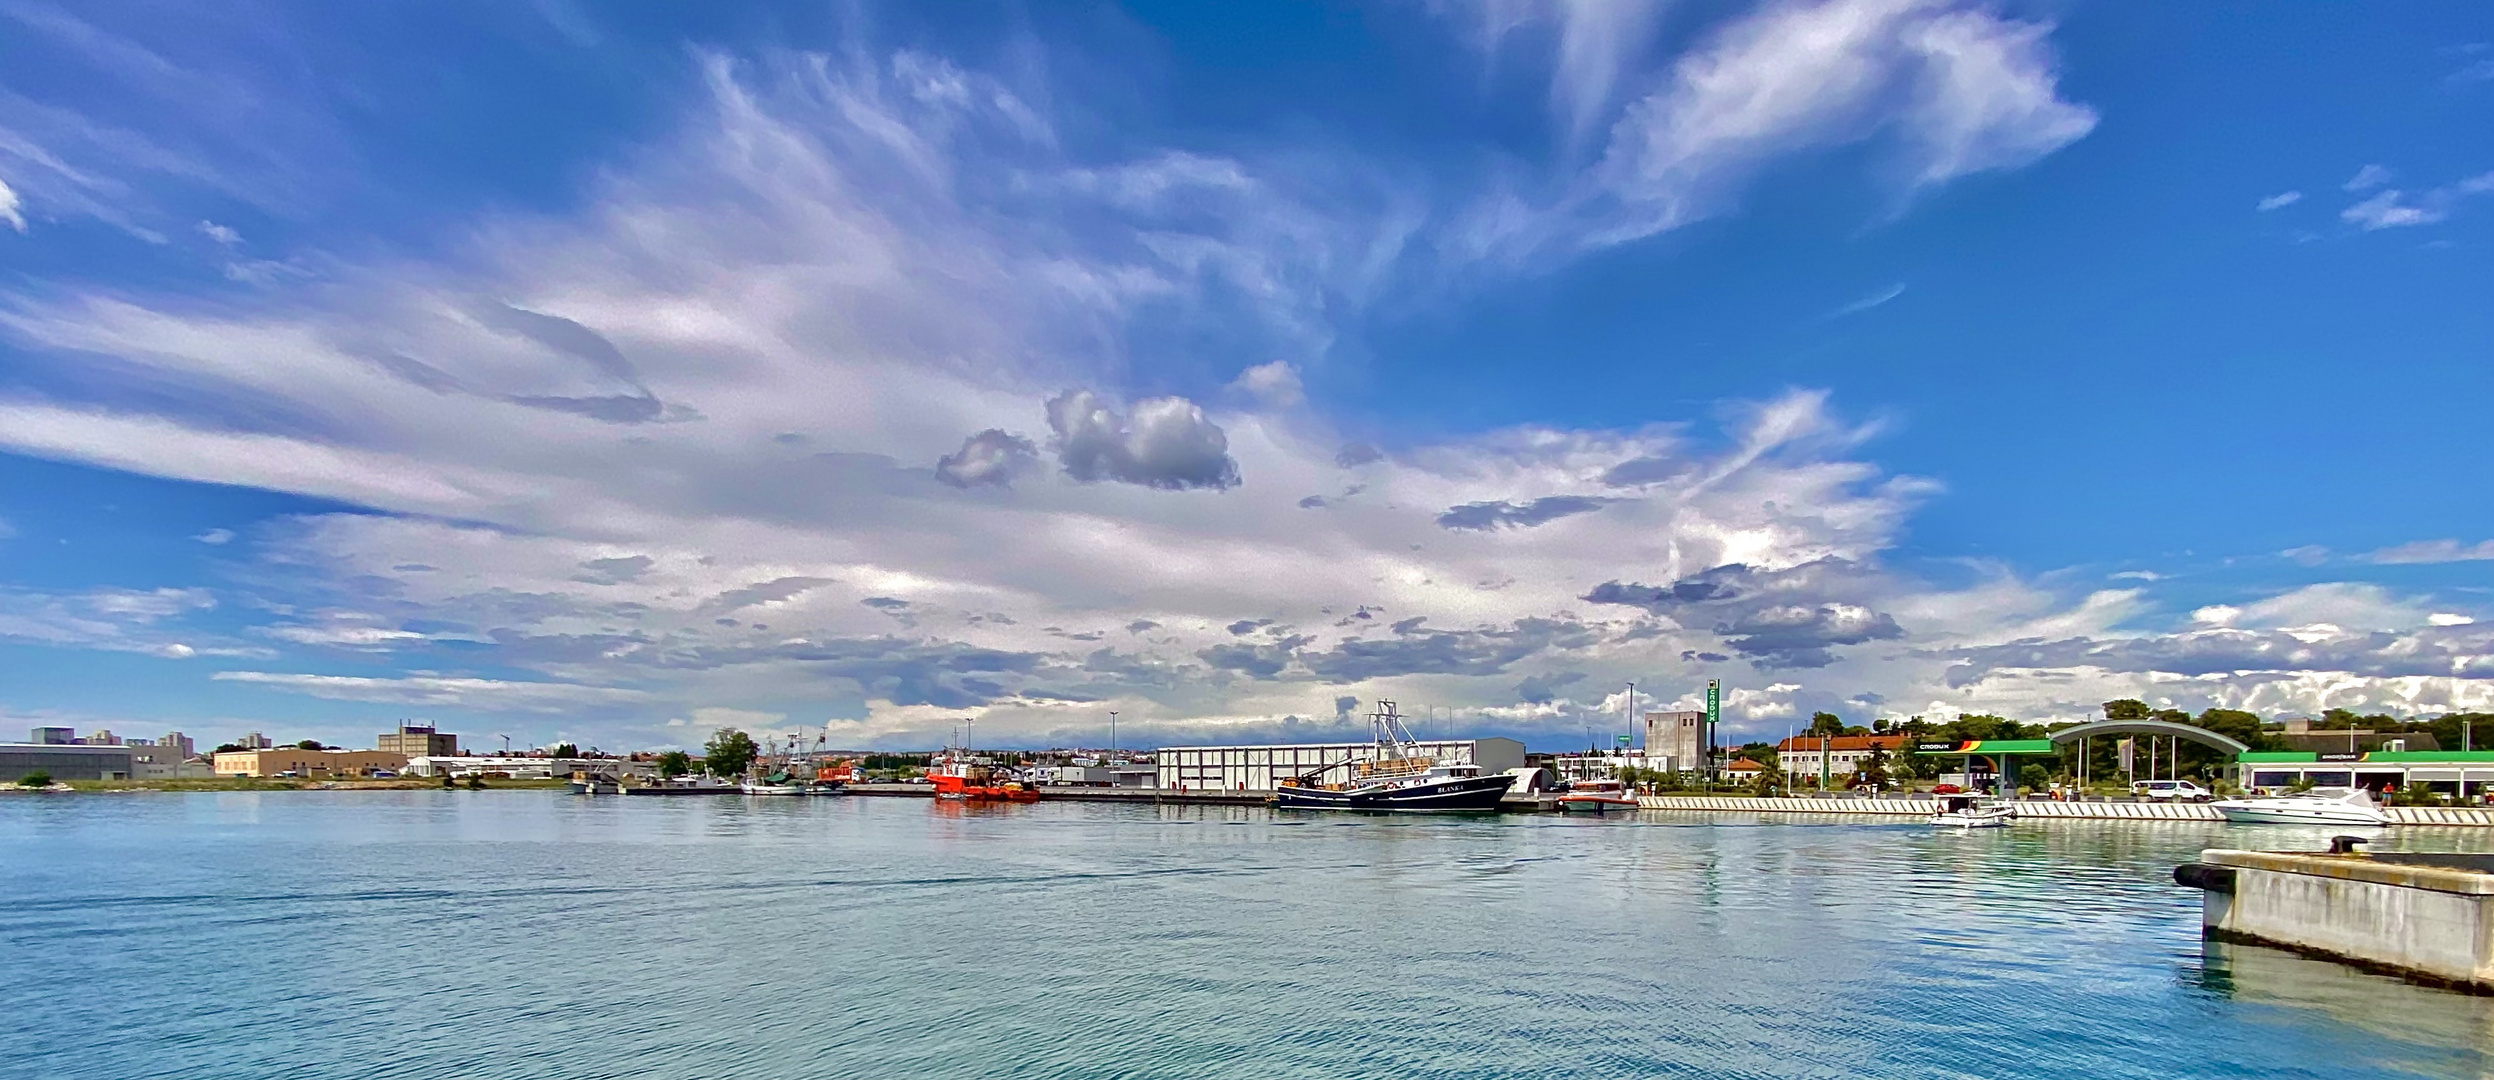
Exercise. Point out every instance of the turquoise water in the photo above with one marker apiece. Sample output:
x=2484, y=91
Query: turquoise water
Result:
x=539, y=934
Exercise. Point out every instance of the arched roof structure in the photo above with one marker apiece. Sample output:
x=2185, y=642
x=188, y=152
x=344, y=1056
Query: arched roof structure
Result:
x=2199, y=735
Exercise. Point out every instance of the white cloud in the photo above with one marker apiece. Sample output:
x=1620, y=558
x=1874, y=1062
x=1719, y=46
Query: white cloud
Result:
x=2433, y=551
x=1960, y=91
x=220, y=233
x=11, y=208
x=2280, y=200
x=1871, y=301
x=2386, y=210
x=484, y=694
x=1274, y=384
x=215, y=536
x=2367, y=178
x=737, y=437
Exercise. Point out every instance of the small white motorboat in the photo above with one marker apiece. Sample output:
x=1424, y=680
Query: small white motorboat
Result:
x=1597, y=797
x=1970, y=811
x=2319, y=806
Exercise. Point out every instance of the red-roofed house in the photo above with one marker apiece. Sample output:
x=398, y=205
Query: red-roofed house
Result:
x=1800, y=754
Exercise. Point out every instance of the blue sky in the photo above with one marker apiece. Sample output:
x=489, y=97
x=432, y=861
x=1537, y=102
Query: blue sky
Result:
x=614, y=373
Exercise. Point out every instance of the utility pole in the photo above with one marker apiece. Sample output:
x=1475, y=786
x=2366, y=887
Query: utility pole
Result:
x=1112, y=734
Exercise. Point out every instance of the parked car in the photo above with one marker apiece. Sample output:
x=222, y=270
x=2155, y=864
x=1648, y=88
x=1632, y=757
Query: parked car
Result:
x=2176, y=790
x=384, y=774
x=1947, y=789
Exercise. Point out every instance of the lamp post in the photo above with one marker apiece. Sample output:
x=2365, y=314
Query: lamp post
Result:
x=1112, y=734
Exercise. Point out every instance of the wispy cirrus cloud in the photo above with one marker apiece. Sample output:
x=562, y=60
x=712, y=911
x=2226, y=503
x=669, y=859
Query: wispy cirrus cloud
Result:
x=2433, y=551
x=2280, y=201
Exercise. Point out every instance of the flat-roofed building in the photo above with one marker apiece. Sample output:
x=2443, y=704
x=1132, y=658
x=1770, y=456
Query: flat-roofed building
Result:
x=1263, y=768
x=72, y=761
x=322, y=763
x=415, y=741
x=55, y=736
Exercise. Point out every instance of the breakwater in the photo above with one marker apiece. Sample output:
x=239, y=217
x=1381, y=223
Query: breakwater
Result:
x=2120, y=811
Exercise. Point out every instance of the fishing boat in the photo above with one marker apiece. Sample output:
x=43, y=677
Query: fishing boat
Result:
x=1966, y=810
x=957, y=777
x=1395, y=776
x=1597, y=797
x=2319, y=806
x=779, y=783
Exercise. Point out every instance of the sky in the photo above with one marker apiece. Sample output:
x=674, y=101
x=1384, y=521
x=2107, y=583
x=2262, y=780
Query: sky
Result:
x=613, y=373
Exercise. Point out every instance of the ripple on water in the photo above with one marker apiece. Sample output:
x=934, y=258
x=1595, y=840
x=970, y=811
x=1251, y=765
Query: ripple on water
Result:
x=426, y=934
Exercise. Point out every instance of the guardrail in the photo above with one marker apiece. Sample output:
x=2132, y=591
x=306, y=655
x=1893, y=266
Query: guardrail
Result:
x=2124, y=811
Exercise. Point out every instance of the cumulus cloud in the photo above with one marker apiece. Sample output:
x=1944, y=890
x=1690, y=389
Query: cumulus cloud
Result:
x=214, y=537
x=991, y=457
x=1274, y=384
x=1164, y=443
x=1778, y=618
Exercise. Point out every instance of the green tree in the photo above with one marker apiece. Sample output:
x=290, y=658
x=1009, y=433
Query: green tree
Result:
x=564, y=750
x=2127, y=709
x=674, y=763
x=2034, y=777
x=310, y=744
x=729, y=751
x=1874, y=767
x=35, y=779
x=1826, y=723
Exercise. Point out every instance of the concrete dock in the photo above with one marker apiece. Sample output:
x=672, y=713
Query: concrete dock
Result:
x=2425, y=917
x=2029, y=809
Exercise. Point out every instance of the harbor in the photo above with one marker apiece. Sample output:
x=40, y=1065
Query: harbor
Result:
x=819, y=936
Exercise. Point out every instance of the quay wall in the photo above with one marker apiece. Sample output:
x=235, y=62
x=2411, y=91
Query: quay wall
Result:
x=1088, y=794
x=2417, y=920
x=2138, y=811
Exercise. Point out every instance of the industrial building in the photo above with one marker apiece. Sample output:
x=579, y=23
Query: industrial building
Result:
x=524, y=768
x=291, y=761
x=418, y=741
x=65, y=761
x=1263, y=768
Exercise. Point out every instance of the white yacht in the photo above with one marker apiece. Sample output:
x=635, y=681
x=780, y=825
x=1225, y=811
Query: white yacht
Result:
x=1971, y=811
x=2319, y=806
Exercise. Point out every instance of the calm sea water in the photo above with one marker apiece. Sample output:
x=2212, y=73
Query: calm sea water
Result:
x=544, y=935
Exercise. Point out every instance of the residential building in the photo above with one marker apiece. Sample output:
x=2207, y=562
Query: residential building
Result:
x=164, y=760
x=1743, y=771
x=415, y=742
x=254, y=741
x=1801, y=755
x=1263, y=768
x=65, y=761
x=272, y=761
x=102, y=737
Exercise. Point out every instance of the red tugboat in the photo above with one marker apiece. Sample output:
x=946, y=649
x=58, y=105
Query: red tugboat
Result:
x=955, y=777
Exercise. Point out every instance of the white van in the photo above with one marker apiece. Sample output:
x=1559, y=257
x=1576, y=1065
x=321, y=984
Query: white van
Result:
x=2177, y=790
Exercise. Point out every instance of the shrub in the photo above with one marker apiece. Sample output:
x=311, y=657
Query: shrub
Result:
x=35, y=779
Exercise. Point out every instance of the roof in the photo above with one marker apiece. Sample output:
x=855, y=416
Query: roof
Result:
x=1834, y=743
x=2375, y=757
x=1744, y=765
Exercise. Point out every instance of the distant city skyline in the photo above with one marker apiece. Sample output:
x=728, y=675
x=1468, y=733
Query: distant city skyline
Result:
x=550, y=372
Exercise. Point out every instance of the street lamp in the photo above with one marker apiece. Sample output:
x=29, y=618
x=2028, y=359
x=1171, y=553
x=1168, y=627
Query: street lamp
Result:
x=1112, y=734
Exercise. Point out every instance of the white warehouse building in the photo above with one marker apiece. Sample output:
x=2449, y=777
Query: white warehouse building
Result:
x=1263, y=768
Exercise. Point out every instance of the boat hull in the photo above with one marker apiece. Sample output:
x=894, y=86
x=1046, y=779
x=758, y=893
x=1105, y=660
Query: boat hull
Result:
x=1584, y=805
x=1455, y=794
x=1973, y=821
x=2348, y=816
